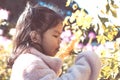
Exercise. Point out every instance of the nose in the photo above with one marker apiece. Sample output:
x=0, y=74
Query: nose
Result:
x=60, y=39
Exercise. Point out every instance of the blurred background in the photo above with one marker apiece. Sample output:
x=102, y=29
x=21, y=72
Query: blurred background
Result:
x=96, y=27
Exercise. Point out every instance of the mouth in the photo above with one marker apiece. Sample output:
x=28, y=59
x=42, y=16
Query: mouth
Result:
x=57, y=49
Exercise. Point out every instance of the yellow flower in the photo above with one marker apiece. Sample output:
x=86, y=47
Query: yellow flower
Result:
x=101, y=39
x=68, y=3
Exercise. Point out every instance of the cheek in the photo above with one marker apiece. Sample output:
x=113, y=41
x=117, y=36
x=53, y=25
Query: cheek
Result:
x=53, y=44
x=50, y=45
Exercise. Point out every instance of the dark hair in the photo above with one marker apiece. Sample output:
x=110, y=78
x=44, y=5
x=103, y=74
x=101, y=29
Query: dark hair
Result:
x=35, y=18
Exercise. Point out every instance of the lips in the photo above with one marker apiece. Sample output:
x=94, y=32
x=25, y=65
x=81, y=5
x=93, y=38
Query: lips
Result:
x=57, y=49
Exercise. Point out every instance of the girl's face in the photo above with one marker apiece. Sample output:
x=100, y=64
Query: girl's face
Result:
x=51, y=40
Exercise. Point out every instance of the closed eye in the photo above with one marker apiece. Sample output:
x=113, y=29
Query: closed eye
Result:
x=56, y=36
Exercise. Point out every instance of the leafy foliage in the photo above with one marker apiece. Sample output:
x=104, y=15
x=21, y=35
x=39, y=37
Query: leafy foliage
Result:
x=105, y=37
x=4, y=71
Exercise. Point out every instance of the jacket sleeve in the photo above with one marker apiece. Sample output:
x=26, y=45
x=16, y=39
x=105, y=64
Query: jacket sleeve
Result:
x=86, y=67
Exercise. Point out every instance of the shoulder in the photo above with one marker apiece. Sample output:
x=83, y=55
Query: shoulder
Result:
x=28, y=60
x=29, y=66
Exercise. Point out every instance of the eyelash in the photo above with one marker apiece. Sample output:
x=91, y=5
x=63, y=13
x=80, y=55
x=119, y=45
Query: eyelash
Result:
x=56, y=36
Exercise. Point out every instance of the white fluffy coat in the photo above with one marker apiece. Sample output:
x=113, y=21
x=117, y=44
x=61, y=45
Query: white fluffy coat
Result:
x=38, y=66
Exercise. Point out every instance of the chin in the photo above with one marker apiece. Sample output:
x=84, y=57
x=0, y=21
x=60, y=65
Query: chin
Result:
x=53, y=54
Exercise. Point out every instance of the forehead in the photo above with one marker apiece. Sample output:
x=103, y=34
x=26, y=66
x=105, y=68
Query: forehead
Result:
x=58, y=28
x=55, y=30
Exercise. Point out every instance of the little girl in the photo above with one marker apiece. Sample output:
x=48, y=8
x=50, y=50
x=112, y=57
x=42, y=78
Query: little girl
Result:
x=36, y=42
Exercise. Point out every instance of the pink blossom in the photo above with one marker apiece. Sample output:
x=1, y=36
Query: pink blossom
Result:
x=80, y=45
x=66, y=33
x=92, y=35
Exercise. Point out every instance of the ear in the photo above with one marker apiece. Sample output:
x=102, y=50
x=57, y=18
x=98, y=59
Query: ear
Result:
x=35, y=37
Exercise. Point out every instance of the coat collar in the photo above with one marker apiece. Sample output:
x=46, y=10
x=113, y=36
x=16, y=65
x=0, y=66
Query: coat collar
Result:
x=53, y=62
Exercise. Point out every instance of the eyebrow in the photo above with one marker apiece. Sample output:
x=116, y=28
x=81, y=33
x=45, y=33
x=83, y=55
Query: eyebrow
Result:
x=57, y=32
